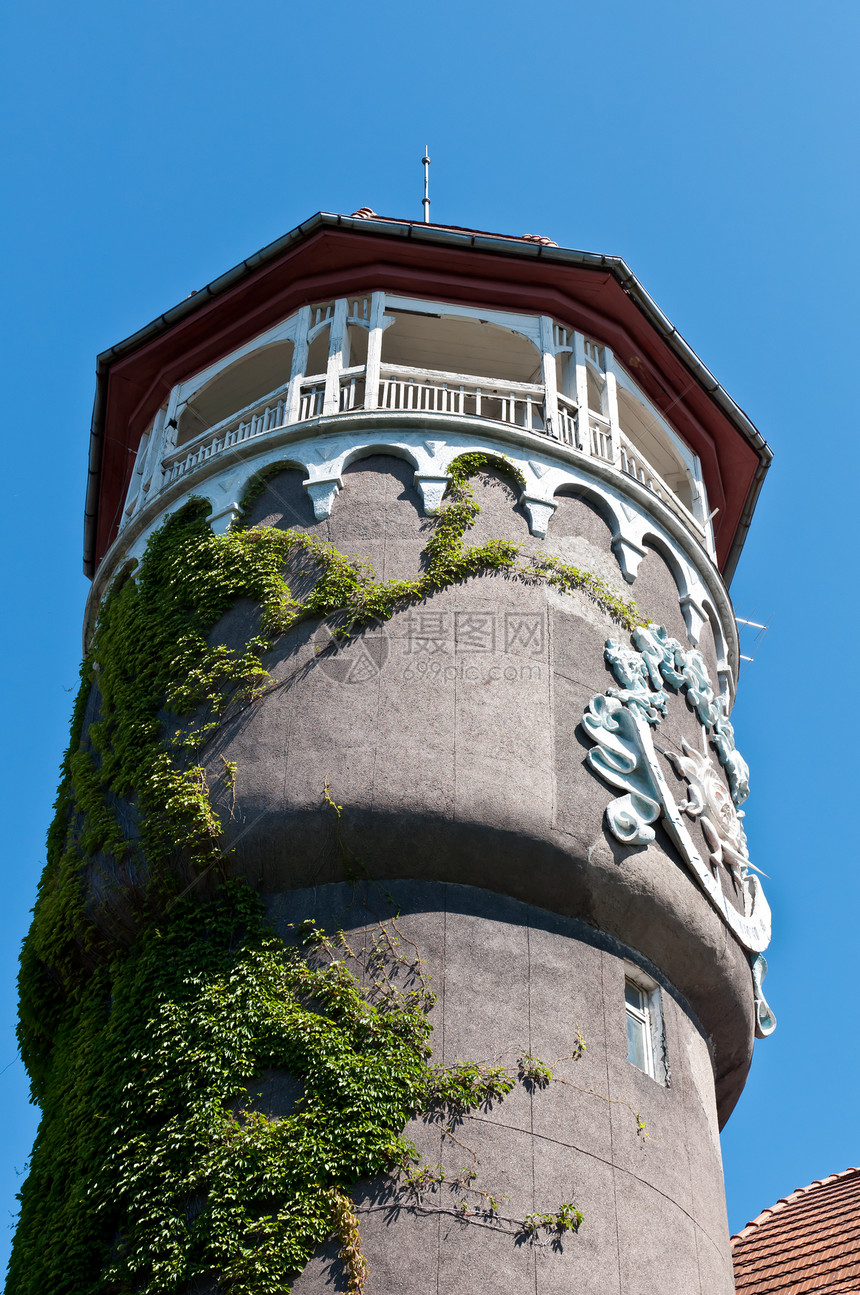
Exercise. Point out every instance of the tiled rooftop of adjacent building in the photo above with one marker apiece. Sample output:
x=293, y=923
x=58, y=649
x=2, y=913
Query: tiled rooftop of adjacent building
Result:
x=806, y=1242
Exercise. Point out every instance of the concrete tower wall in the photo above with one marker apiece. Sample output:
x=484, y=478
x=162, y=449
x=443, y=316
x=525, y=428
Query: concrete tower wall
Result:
x=467, y=764
x=511, y=977
x=451, y=738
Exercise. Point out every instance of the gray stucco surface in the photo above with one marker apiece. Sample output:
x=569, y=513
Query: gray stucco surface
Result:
x=510, y=978
x=451, y=736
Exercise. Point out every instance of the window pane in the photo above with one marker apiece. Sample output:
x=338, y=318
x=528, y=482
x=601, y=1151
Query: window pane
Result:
x=634, y=996
x=637, y=1043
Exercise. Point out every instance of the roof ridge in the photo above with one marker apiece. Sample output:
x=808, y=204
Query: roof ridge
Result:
x=749, y=1229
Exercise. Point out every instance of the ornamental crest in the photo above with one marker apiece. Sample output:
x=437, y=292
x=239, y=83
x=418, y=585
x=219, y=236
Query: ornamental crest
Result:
x=622, y=723
x=710, y=803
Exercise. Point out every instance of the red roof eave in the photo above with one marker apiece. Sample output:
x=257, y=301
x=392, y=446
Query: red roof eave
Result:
x=332, y=256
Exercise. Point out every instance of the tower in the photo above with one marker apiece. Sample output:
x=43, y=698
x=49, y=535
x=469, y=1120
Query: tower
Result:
x=399, y=929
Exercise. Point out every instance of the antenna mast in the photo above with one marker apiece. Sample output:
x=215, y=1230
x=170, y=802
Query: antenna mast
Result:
x=425, y=201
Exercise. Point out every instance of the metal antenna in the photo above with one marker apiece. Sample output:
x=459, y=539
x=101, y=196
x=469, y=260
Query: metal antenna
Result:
x=425, y=201
x=746, y=623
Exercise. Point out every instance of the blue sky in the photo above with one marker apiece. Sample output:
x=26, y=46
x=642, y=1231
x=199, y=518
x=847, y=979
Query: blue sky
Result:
x=147, y=148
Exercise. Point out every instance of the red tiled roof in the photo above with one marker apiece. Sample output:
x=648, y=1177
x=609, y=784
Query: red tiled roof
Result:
x=807, y=1242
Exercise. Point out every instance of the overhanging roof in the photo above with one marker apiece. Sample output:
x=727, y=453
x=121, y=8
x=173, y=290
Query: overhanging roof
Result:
x=330, y=255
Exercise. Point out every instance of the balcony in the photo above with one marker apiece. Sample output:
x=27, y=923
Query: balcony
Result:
x=396, y=356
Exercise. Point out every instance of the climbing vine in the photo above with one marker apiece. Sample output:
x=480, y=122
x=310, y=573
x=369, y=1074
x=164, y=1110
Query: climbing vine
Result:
x=146, y=1015
x=157, y=1165
x=351, y=591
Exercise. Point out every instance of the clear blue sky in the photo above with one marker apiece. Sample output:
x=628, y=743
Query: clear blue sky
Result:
x=149, y=147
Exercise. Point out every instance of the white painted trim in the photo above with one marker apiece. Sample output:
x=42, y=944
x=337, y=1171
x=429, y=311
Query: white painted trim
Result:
x=323, y=492
x=324, y=447
x=374, y=350
x=688, y=456
x=583, y=430
x=432, y=487
x=539, y=513
x=547, y=360
x=152, y=474
x=655, y=1029
x=283, y=332
x=627, y=383
x=528, y=325
x=467, y=379
x=300, y=359
x=174, y=409
x=536, y=329
x=336, y=344
x=611, y=397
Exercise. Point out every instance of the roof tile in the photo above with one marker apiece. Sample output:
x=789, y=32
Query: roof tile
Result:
x=807, y=1242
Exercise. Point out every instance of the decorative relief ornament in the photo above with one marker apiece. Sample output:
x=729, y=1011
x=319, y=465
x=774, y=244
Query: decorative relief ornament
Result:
x=765, y=1023
x=630, y=669
x=621, y=724
x=711, y=804
x=620, y=761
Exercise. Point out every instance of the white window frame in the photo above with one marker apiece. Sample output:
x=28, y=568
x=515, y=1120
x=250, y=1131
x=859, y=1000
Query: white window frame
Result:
x=650, y=1019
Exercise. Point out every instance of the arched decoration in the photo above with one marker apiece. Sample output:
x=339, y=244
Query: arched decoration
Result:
x=375, y=481
x=593, y=499
x=294, y=509
x=663, y=588
x=596, y=387
x=325, y=484
x=124, y=574
x=460, y=344
x=498, y=493
x=648, y=436
x=355, y=351
x=257, y=374
x=717, y=630
x=691, y=590
x=318, y=348
x=724, y=670
x=429, y=455
x=594, y=356
x=255, y=482
x=627, y=548
x=656, y=542
x=380, y=447
x=232, y=493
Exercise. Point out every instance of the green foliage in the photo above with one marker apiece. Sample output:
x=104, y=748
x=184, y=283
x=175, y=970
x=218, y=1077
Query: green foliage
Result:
x=143, y=1019
x=565, y=1219
x=151, y=1170
x=464, y=1087
x=533, y=1072
x=350, y=592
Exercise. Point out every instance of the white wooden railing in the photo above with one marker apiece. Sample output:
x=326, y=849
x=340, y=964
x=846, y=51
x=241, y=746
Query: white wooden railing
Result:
x=254, y=420
x=568, y=416
x=430, y=391
x=600, y=436
x=352, y=389
x=634, y=463
x=311, y=398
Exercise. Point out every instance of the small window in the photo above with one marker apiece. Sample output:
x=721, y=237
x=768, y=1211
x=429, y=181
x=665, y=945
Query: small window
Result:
x=644, y=1027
